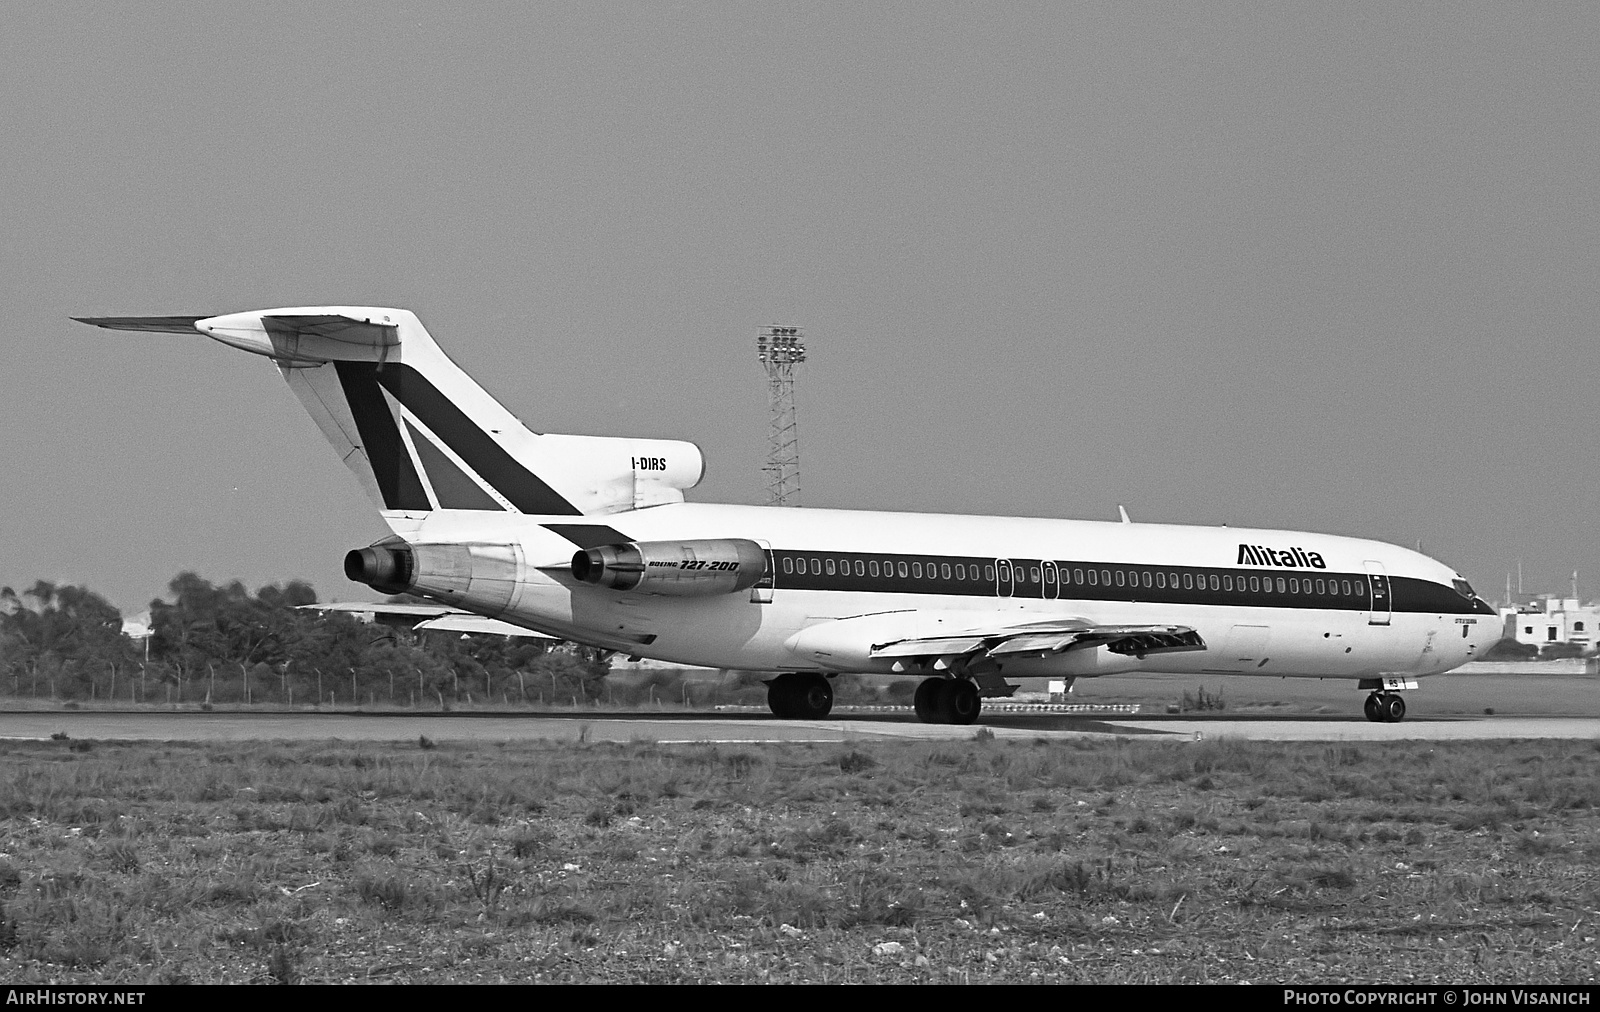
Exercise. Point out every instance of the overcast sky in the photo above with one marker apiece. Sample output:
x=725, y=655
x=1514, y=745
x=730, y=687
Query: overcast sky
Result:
x=1312, y=266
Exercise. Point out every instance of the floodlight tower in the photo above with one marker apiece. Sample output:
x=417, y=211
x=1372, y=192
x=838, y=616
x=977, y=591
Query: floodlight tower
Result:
x=780, y=349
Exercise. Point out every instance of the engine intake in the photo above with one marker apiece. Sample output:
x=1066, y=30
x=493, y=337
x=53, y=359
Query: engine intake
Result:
x=674, y=568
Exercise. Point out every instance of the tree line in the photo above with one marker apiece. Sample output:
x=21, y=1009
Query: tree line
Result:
x=214, y=643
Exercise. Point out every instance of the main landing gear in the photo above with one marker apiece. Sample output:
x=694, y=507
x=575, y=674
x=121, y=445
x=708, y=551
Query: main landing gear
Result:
x=800, y=695
x=947, y=701
x=1385, y=708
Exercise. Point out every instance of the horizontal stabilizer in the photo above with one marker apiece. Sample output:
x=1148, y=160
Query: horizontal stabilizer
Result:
x=477, y=624
x=148, y=324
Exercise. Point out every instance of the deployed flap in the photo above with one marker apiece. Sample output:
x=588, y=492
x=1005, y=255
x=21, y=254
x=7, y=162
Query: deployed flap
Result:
x=1051, y=638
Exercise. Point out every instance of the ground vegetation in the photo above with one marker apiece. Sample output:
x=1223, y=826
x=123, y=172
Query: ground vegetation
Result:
x=971, y=860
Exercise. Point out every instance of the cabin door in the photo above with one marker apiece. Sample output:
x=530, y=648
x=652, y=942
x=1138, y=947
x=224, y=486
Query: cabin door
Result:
x=1378, y=589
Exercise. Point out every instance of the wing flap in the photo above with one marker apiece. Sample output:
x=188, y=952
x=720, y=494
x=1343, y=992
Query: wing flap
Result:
x=1050, y=638
x=942, y=646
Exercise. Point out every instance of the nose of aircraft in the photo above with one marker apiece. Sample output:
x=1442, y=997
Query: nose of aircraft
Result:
x=1486, y=632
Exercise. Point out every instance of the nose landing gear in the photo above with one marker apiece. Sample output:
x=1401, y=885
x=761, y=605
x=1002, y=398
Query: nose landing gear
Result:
x=1385, y=708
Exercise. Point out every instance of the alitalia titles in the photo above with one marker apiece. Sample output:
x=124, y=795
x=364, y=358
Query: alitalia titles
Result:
x=1289, y=558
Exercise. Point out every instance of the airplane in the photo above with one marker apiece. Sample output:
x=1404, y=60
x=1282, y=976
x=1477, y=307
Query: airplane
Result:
x=590, y=539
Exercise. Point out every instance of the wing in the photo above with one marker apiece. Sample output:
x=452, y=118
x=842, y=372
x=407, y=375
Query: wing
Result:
x=1045, y=638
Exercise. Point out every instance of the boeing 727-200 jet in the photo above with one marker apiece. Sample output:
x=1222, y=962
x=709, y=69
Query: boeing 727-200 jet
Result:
x=588, y=538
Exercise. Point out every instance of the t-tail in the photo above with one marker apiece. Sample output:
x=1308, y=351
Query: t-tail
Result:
x=420, y=434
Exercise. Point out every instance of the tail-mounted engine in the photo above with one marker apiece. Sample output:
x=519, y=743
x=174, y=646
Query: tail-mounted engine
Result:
x=674, y=568
x=480, y=576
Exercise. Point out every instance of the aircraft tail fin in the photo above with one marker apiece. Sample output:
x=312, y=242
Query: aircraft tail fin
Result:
x=420, y=434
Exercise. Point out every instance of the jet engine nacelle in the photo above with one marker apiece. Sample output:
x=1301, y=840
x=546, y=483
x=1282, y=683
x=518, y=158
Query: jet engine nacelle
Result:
x=481, y=577
x=674, y=568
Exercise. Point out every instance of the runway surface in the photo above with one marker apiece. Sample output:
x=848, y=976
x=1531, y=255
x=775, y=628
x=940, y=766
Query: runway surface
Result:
x=701, y=727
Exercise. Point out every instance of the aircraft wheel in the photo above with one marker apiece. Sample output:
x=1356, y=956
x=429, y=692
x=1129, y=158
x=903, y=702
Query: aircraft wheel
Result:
x=812, y=698
x=781, y=696
x=1394, y=709
x=1373, y=707
x=959, y=702
x=925, y=702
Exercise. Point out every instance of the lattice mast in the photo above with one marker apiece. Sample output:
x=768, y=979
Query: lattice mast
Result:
x=780, y=350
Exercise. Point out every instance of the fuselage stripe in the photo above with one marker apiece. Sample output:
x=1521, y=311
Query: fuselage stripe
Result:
x=1036, y=579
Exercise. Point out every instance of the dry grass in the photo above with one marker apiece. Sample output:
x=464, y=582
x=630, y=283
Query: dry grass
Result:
x=1103, y=861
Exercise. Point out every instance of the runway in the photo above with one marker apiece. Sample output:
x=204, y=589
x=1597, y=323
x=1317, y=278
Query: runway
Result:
x=687, y=728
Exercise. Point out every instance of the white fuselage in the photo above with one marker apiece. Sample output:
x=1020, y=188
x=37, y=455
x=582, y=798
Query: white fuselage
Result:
x=1368, y=609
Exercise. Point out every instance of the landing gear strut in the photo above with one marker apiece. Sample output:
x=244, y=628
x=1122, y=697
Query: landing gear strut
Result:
x=947, y=701
x=800, y=696
x=1385, y=708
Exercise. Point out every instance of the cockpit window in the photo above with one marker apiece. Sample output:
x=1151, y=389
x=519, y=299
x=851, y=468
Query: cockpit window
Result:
x=1464, y=589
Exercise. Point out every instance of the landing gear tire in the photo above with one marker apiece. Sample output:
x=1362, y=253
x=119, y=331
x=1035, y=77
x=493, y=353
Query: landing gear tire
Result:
x=947, y=701
x=926, y=700
x=1385, y=708
x=959, y=702
x=1394, y=710
x=796, y=696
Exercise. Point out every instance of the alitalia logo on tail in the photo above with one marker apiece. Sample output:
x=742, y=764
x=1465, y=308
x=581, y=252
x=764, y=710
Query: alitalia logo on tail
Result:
x=1290, y=558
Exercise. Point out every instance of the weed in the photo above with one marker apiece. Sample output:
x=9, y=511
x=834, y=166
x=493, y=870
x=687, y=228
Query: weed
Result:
x=856, y=762
x=389, y=890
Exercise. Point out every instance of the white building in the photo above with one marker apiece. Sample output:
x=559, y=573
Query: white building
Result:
x=1554, y=620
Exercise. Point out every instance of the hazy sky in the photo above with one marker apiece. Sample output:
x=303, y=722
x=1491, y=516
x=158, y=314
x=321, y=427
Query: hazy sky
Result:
x=1316, y=266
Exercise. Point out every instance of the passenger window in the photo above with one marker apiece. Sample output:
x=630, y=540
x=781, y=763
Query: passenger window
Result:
x=1188, y=581
x=944, y=570
x=916, y=570
x=1105, y=577
x=1280, y=585
x=1049, y=575
x=1161, y=580
x=903, y=570
x=1077, y=576
x=1346, y=585
x=1173, y=579
x=830, y=567
x=1320, y=588
x=872, y=567
x=788, y=564
x=1215, y=583
x=1255, y=584
x=988, y=573
x=1294, y=585
x=961, y=571
x=861, y=568
x=1227, y=581
x=1092, y=581
x=1119, y=578
x=1033, y=573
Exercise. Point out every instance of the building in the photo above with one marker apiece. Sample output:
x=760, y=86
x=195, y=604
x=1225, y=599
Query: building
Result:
x=1553, y=620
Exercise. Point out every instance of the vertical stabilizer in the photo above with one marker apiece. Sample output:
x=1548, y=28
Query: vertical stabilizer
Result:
x=421, y=435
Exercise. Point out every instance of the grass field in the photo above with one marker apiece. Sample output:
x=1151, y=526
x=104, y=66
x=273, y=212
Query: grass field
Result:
x=1105, y=861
